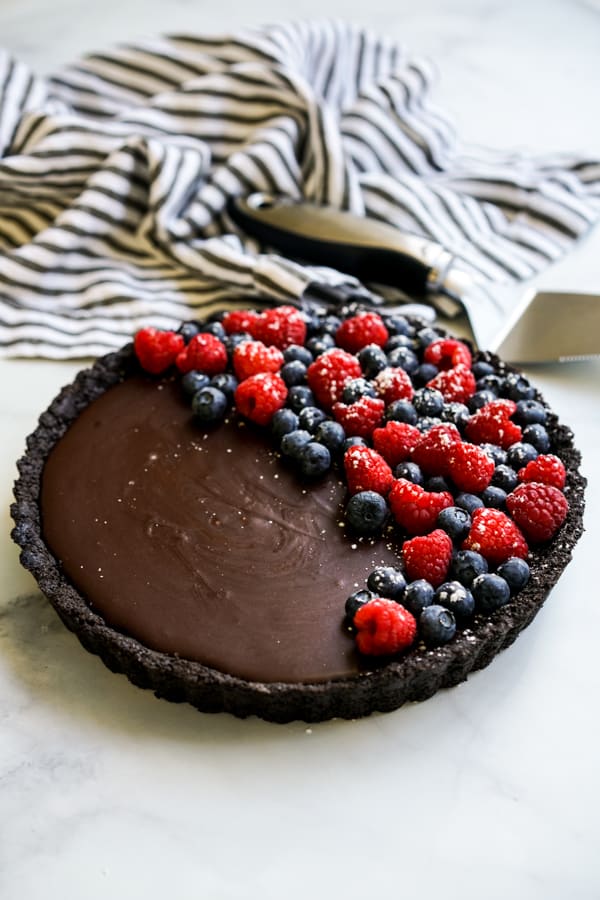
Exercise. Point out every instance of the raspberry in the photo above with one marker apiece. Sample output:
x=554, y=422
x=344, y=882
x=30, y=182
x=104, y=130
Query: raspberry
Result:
x=495, y=536
x=492, y=425
x=280, y=327
x=260, y=396
x=546, y=469
x=538, y=509
x=393, y=384
x=361, y=417
x=456, y=385
x=383, y=627
x=252, y=357
x=366, y=470
x=470, y=468
x=204, y=353
x=328, y=374
x=416, y=509
x=433, y=451
x=395, y=441
x=240, y=320
x=428, y=557
x=156, y=350
x=447, y=353
x=358, y=331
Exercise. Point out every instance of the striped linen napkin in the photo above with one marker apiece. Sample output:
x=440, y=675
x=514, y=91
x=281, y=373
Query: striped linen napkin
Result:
x=115, y=173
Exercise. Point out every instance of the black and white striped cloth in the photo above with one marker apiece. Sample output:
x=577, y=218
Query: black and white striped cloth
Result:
x=115, y=172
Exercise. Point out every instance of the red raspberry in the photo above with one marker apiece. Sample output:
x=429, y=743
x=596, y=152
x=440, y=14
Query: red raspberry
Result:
x=538, y=509
x=157, y=350
x=471, y=469
x=383, y=627
x=395, y=441
x=492, y=425
x=447, y=353
x=260, y=396
x=206, y=353
x=546, y=469
x=428, y=557
x=361, y=417
x=456, y=385
x=358, y=331
x=280, y=327
x=432, y=453
x=366, y=470
x=252, y=357
x=495, y=536
x=416, y=509
x=328, y=374
x=240, y=320
x=393, y=384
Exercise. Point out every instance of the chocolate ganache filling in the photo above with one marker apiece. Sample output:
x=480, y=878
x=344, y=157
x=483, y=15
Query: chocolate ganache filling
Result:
x=203, y=544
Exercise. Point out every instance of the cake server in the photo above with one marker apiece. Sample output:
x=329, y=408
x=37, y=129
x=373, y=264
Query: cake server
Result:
x=535, y=327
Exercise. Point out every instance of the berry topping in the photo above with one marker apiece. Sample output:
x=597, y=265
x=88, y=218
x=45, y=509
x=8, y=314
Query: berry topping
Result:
x=437, y=625
x=293, y=442
x=447, y=353
x=209, y=405
x=428, y=557
x=546, y=469
x=417, y=595
x=314, y=459
x=192, y=381
x=383, y=628
x=332, y=435
x=157, y=350
x=283, y=422
x=327, y=375
x=358, y=331
x=366, y=512
x=240, y=320
x=204, y=353
x=538, y=509
x=470, y=468
x=428, y=402
x=357, y=388
x=395, y=441
x=495, y=536
x=492, y=424
x=355, y=601
x=361, y=417
x=490, y=592
x=280, y=327
x=455, y=521
x=372, y=360
x=386, y=581
x=456, y=385
x=366, y=470
x=260, y=396
x=252, y=357
x=457, y=598
x=467, y=565
x=416, y=509
x=393, y=384
x=434, y=451
x=515, y=572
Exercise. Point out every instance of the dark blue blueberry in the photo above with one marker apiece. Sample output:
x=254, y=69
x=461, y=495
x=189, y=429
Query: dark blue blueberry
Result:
x=314, y=459
x=357, y=388
x=481, y=368
x=293, y=372
x=318, y=345
x=234, y=340
x=193, y=381
x=437, y=625
x=366, y=512
x=300, y=396
x=225, y=382
x=283, y=422
x=457, y=598
x=310, y=417
x=515, y=572
x=423, y=374
x=530, y=412
x=504, y=477
x=293, y=442
x=330, y=324
x=188, y=330
x=410, y=471
x=490, y=592
x=400, y=340
x=479, y=399
x=428, y=422
x=516, y=387
x=355, y=601
x=537, y=436
x=386, y=581
x=403, y=358
x=456, y=413
x=428, y=402
x=496, y=453
x=372, y=360
x=332, y=435
x=426, y=336
x=437, y=484
x=398, y=325
x=417, y=595
x=209, y=405
x=401, y=411
x=491, y=383
x=455, y=521
x=519, y=454
x=214, y=328
x=467, y=565
x=296, y=353
x=353, y=441
x=470, y=502
x=494, y=497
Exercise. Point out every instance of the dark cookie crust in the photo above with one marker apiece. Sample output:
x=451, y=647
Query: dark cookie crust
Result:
x=417, y=676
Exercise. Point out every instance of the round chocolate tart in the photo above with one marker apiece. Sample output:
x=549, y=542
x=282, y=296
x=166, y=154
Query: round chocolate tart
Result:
x=194, y=560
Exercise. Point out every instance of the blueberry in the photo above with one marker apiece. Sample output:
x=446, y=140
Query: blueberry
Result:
x=355, y=601
x=457, y=598
x=400, y=340
x=296, y=353
x=293, y=372
x=300, y=396
x=314, y=459
x=515, y=572
x=332, y=435
x=330, y=325
x=366, y=512
x=310, y=417
x=386, y=581
x=516, y=387
x=481, y=368
x=417, y=595
x=410, y=471
x=467, y=565
x=490, y=592
x=428, y=422
x=424, y=374
x=318, y=345
x=494, y=497
x=353, y=441
x=209, y=405
x=519, y=454
x=293, y=442
x=470, y=502
x=188, y=330
x=193, y=381
x=401, y=411
x=398, y=325
x=283, y=422
x=214, y=328
x=357, y=388
x=491, y=383
x=479, y=399
x=426, y=336
x=537, y=436
x=504, y=477
x=495, y=452
x=455, y=521
x=456, y=413
x=437, y=484
x=428, y=402
x=403, y=358
x=437, y=625
x=372, y=360
x=530, y=412
x=225, y=382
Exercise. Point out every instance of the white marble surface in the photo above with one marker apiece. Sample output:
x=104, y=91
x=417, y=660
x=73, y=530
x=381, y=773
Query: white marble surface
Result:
x=490, y=790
